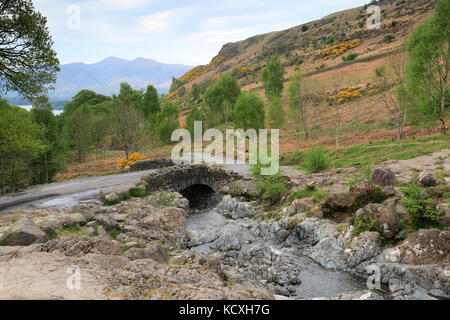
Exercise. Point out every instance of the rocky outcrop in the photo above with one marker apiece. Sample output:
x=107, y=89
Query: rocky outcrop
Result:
x=341, y=201
x=383, y=177
x=422, y=247
x=23, y=233
x=427, y=179
x=153, y=251
x=234, y=209
x=385, y=219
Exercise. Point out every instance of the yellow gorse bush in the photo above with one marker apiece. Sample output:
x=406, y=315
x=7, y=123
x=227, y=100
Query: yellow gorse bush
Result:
x=349, y=94
x=339, y=49
x=134, y=157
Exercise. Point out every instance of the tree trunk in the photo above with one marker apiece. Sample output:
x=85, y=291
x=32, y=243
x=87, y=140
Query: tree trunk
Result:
x=298, y=138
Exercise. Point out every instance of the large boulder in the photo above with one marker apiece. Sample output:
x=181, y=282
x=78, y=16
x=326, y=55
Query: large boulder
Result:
x=234, y=209
x=388, y=222
x=362, y=248
x=342, y=201
x=226, y=242
x=383, y=177
x=427, y=179
x=23, y=233
x=422, y=247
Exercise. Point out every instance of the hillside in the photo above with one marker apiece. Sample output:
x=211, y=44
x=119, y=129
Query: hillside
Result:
x=306, y=45
x=338, y=46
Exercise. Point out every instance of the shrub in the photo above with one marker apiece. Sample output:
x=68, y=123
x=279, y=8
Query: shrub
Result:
x=389, y=38
x=363, y=224
x=350, y=57
x=421, y=208
x=271, y=188
x=316, y=160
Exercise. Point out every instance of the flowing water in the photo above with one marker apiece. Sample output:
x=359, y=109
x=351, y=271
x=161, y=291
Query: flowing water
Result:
x=315, y=280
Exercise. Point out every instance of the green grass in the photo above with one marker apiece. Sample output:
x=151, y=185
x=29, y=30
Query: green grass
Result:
x=375, y=153
x=113, y=233
x=132, y=193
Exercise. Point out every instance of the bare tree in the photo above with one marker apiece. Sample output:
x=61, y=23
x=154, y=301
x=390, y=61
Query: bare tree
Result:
x=396, y=95
x=335, y=81
x=302, y=96
x=128, y=127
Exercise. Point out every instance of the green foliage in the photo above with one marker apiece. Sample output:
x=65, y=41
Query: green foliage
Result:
x=317, y=194
x=249, y=112
x=196, y=114
x=47, y=165
x=28, y=63
x=113, y=233
x=176, y=84
x=21, y=142
x=132, y=193
x=151, y=101
x=362, y=224
x=221, y=98
x=273, y=77
x=316, y=160
x=276, y=113
x=421, y=208
x=166, y=121
x=388, y=38
x=350, y=57
x=428, y=54
x=380, y=72
x=270, y=188
x=363, y=178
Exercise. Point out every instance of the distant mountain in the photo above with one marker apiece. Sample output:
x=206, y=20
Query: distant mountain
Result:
x=105, y=76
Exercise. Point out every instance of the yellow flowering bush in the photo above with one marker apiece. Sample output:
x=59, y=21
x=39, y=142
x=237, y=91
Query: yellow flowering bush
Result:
x=347, y=95
x=134, y=157
x=339, y=49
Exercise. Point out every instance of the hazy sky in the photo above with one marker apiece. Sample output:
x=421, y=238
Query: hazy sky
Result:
x=171, y=31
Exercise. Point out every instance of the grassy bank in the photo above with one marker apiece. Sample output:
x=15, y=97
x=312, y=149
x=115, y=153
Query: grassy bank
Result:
x=375, y=153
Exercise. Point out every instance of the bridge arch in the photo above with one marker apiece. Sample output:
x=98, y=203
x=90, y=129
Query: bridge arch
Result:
x=181, y=177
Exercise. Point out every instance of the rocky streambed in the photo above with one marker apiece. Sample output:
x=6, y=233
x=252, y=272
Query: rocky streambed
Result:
x=279, y=267
x=159, y=247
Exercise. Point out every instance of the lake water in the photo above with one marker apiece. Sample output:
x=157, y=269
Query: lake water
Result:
x=56, y=112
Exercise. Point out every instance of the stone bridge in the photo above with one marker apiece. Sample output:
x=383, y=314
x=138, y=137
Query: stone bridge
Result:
x=197, y=183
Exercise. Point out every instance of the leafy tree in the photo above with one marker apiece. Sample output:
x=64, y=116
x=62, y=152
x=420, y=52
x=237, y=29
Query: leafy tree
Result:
x=196, y=92
x=429, y=63
x=131, y=97
x=77, y=129
x=196, y=114
x=128, y=126
x=176, y=84
x=47, y=165
x=273, y=77
x=86, y=98
x=151, y=101
x=28, y=63
x=166, y=122
x=276, y=113
x=20, y=144
x=221, y=98
x=249, y=112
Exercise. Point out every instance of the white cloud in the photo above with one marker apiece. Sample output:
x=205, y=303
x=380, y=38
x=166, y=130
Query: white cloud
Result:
x=156, y=22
